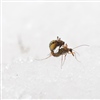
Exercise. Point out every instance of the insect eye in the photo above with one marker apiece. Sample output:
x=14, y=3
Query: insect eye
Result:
x=70, y=50
x=63, y=43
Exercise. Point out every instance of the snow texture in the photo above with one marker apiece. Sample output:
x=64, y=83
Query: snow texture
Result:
x=0, y=72
x=51, y=0
x=28, y=29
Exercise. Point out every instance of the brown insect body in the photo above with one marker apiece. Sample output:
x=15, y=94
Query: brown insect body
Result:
x=62, y=51
x=56, y=43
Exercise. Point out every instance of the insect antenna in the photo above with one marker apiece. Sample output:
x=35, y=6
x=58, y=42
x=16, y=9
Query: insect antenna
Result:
x=76, y=58
x=76, y=52
x=80, y=46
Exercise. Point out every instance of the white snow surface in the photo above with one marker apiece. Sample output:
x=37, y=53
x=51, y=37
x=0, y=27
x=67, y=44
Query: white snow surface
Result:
x=52, y=0
x=34, y=25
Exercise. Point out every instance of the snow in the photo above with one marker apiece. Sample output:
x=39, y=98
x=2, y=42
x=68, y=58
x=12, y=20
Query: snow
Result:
x=28, y=29
x=52, y=0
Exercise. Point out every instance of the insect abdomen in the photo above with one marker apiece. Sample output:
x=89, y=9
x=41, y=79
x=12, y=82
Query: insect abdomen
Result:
x=53, y=44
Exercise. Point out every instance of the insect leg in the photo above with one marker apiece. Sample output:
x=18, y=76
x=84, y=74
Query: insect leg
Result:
x=45, y=58
x=61, y=60
x=64, y=59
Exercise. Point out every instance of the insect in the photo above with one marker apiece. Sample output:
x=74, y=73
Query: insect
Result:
x=62, y=51
x=56, y=43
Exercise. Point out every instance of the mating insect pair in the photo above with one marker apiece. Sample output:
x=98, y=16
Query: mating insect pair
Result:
x=63, y=50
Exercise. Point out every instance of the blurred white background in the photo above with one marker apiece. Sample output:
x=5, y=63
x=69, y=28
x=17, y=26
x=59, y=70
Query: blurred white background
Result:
x=28, y=29
x=50, y=0
x=0, y=50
